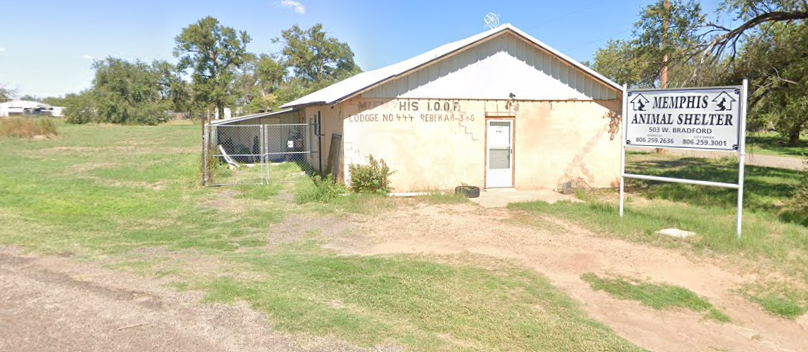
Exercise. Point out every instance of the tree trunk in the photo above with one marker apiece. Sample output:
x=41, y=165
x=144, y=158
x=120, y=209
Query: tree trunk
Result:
x=794, y=136
x=220, y=109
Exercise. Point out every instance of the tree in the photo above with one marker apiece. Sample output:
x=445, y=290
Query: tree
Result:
x=661, y=39
x=172, y=87
x=6, y=94
x=315, y=57
x=124, y=92
x=624, y=64
x=128, y=92
x=769, y=47
x=80, y=108
x=753, y=14
x=776, y=63
x=214, y=52
x=258, y=80
x=269, y=74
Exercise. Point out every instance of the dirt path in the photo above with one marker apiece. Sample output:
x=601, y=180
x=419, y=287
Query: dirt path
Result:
x=565, y=252
x=60, y=304
x=57, y=304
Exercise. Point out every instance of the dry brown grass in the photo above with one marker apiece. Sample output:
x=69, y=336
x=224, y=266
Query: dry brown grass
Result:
x=26, y=127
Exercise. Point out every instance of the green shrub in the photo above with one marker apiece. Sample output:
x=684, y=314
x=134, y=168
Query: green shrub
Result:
x=80, y=108
x=371, y=178
x=320, y=190
x=27, y=127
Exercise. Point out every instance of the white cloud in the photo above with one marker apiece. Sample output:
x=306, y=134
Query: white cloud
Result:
x=295, y=5
x=2, y=49
x=88, y=57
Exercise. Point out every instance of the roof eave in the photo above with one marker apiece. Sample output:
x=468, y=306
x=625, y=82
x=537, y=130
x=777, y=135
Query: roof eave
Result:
x=500, y=30
x=304, y=105
x=251, y=116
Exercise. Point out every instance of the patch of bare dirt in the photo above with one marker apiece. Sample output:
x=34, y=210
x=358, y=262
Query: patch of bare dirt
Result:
x=82, y=171
x=564, y=252
x=58, y=304
x=222, y=200
x=42, y=137
x=297, y=227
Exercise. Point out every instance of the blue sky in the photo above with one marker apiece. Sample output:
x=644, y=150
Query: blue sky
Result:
x=47, y=47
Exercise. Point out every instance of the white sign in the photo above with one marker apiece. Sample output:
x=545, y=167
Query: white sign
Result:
x=690, y=118
x=693, y=118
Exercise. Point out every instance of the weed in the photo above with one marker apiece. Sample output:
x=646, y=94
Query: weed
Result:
x=371, y=178
x=320, y=190
x=779, y=306
x=27, y=127
x=583, y=195
x=657, y=296
x=779, y=298
x=442, y=198
x=209, y=167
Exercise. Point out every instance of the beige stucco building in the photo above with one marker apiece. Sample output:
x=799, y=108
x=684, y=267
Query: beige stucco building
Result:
x=499, y=109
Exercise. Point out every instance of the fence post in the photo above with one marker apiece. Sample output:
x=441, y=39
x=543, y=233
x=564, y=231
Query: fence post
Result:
x=264, y=156
x=319, y=142
x=205, y=151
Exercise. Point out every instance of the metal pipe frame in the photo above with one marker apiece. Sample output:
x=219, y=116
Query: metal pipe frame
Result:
x=682, y=180
x=741, y=159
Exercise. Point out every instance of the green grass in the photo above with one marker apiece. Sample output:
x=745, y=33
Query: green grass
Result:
x=417, y=303
x=764, y=238
x=108, y=189
x=766, y=188
x=780, y=306
x=657, y=296
x=128, y=197
x=770, y=242
x=442, y=198
x=708, y=211
x=779, y=298
x=772, y=144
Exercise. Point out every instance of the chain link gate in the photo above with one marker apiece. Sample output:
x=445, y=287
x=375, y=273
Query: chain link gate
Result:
x=244, y=154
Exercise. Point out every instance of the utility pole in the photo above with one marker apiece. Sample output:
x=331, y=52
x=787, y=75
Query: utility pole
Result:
x=663, y=75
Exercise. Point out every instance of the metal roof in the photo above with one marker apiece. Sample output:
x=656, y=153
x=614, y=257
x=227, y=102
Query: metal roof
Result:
x=26, y=104
x=349, y=87
x=249, y=117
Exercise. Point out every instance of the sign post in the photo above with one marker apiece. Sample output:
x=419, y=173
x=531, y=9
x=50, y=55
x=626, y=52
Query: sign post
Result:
x=711, y=119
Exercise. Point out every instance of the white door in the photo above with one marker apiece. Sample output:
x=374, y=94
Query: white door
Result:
x=499, y=154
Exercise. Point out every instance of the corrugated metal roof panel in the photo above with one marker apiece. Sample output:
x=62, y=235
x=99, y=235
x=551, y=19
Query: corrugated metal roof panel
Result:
x=250, y=117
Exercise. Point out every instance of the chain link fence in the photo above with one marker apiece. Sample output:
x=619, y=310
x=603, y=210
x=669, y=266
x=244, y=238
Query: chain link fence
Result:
x=244, y=154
